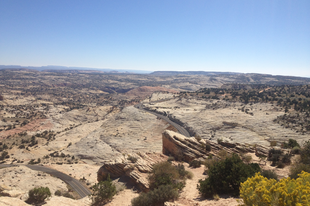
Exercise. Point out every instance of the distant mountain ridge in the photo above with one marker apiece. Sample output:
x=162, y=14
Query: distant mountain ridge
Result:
x=52, y=68
x=171, y=73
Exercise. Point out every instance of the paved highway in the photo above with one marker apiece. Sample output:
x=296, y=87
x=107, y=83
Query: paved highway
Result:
x=75, y=184
x=177, y=126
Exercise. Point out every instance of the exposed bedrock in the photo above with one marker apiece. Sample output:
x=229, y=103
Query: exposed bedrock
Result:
x=189, y=148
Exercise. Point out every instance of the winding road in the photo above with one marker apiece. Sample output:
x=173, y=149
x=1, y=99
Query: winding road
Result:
x=75, y=184
x=180, y=129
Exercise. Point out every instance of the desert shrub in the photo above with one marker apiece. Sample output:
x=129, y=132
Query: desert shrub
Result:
x=261, y=191
x=195, y=163
x=208, y=147
x=170, y=159
x=273, y=143
x=58, y=193
x=280, y=164
x=21, y=146
x=132, y=159
x=68, y=195
x=274, y=156
x=272, y=152
x=38, y=195
x=209, y=162
x=184, y=174
x=222, y=154
x=286, y=159
x=291, y=144
x=156, y=197
x=296, y=169
x=225, y=176
x=296, y=150
x=216, y=197
x=269, y=174
x=305, y=153
x=247, y=158
x=103, y=191
x=164, y=173
x=4, y=155
x=165, y=182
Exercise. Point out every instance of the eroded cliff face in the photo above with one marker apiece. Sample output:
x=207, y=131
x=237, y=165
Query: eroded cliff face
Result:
x=189, y=148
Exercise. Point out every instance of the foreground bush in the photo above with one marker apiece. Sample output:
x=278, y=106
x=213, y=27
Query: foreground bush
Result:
x=103, y=191
x=225, y=176
x=164, y=173
x=166, y=181
x=38, y=195
x=261, y=191
x=156, y=197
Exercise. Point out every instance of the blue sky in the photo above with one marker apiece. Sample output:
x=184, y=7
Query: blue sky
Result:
x=251, y=36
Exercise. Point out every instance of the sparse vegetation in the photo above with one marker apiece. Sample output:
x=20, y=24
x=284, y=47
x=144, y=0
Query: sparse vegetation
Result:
x=38, y=195
x=225, y=176
x=195, y=163
x=103, y=192
x=166, y=181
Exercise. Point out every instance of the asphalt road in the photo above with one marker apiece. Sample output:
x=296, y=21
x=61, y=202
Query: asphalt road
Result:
x=75, y=184
x=177, y=126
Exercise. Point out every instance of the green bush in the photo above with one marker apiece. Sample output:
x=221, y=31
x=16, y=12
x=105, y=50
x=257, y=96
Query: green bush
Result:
x=270, y=174
x=156, y=197
x=225, y=176
x=195, y=163
x=132, y=159
x=208, y=147
x=58, y=193
x=305, y=153
x=210, y=162
x=38, y=195
x=291, y=144
x=296, y=150
x=163, y=173
x=286, y=159
x=297, y=169
x=103, y=191
x=165, y=182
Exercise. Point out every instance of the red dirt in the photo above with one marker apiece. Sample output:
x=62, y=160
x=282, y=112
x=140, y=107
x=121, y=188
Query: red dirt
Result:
x=35, y=125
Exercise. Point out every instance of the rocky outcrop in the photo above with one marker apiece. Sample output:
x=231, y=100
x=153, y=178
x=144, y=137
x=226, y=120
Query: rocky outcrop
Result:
x=134, y=165
x=189, y=148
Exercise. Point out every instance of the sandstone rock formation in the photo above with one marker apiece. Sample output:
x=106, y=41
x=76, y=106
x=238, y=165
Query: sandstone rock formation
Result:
x=188, y=149
x=137, y=166
x=133, y=165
